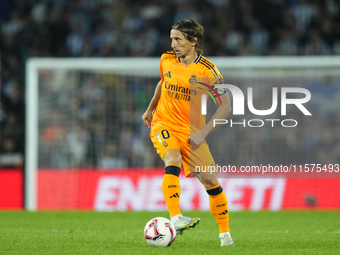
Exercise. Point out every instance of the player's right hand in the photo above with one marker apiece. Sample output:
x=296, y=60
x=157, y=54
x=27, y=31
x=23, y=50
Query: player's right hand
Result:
x=147, y=118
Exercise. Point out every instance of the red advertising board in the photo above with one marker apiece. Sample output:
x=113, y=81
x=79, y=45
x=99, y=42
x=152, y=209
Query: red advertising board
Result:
x=137, y=189
x=11, y=189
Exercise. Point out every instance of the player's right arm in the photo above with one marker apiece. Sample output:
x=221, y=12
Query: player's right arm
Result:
x=147, y=116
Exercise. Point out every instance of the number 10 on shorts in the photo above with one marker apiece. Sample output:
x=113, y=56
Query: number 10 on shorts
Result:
x=165, y=134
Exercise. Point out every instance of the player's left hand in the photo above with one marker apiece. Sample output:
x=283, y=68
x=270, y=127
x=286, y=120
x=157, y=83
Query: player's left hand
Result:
x=196, y=139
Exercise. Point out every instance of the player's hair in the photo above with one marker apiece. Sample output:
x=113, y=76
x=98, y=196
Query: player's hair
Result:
x=190, y=29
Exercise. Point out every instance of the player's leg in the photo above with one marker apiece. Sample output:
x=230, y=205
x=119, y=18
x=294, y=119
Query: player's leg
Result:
x=167, y=145
x=171, y=186
x=217, y=200
x=172, y=191
x=218, y=205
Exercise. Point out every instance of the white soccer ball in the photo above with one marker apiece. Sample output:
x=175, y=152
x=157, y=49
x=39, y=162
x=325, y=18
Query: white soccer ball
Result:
x=159, y=232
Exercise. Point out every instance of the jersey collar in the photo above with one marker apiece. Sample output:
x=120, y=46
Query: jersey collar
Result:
x=198, y=58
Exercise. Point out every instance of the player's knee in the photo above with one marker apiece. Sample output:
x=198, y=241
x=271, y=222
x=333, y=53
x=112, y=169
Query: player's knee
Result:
x=209, y=183
x=172, y=157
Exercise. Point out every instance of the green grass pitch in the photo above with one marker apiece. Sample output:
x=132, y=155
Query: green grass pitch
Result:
x=287, y=232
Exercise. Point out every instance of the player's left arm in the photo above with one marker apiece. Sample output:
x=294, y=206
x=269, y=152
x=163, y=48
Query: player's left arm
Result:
x=222, y=112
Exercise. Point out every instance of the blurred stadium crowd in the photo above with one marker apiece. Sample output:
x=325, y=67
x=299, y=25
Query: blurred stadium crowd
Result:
x=109, y=28
x=90, y=119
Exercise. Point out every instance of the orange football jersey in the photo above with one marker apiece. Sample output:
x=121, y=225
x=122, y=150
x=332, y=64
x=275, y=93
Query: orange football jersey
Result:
x=179, y=106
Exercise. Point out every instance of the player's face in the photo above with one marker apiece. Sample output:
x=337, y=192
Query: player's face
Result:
x=180, y=44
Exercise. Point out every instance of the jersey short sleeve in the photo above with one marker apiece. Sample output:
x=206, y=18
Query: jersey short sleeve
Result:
x=214, y=76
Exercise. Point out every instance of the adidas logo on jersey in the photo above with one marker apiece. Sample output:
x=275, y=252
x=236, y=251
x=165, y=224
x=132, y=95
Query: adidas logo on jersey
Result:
x=220, y=205
x=168, y=74
x=174, y=195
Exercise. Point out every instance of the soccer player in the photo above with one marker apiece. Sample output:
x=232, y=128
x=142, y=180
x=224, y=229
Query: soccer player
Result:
x=178, y=129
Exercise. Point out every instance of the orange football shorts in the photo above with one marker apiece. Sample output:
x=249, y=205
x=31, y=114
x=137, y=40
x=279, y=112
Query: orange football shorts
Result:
x=193, y=160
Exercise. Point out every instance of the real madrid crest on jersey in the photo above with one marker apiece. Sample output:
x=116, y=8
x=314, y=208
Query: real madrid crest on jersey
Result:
x=192, y=80
x=220, y=91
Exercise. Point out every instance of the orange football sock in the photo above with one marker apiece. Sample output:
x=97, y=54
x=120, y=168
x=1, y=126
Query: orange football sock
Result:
x=172, y=189
x=219, y=207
